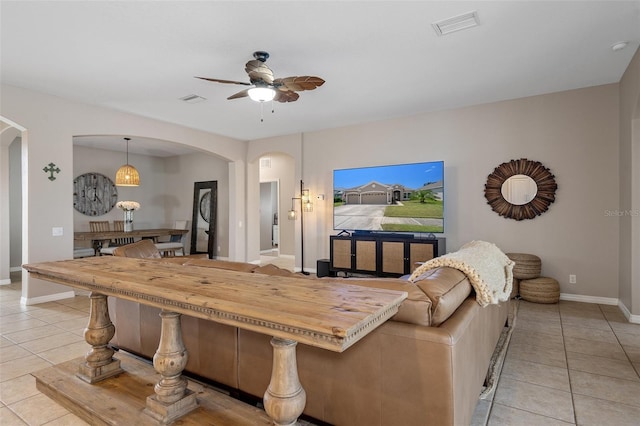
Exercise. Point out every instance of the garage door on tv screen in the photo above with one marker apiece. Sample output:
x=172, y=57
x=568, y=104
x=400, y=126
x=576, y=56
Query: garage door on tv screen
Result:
x=393, y=198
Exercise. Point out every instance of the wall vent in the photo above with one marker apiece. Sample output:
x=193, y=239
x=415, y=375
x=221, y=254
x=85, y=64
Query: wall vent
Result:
x=265, y=162
x=457, y=23
x=193, y=99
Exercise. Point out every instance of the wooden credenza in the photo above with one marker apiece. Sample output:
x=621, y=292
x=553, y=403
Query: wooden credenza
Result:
x=381, y=254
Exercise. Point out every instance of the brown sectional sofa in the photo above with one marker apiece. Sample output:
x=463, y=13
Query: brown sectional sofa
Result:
x=425, y=366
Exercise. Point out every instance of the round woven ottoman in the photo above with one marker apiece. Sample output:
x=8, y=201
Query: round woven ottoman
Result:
x=527, y=265
x=540, y=290
x=515, y=289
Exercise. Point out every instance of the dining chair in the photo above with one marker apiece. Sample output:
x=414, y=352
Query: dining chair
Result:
x=176, y=242
x=99, y=226
x=118, y=225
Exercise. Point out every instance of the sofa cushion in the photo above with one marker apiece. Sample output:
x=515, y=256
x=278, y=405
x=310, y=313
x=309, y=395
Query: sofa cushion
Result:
x=415, y=309
x=274, y=270
x=222, y=264
x=447, y=288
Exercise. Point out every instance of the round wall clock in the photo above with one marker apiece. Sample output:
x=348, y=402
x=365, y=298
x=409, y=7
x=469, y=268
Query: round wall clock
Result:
x=94, y=194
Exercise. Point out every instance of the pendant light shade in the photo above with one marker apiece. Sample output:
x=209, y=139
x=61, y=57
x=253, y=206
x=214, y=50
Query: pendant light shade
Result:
x=127, y=175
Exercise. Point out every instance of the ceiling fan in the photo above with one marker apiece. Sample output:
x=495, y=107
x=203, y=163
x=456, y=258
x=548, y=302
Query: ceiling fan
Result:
x=265, y=87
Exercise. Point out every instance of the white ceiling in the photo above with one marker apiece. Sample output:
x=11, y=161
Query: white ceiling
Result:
x=380, y=59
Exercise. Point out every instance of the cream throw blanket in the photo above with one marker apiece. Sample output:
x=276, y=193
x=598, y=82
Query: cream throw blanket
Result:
x=489, y=270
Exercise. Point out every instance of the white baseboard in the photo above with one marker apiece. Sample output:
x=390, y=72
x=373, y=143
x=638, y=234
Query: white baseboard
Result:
x=635, y=319
x=47, y=298
x=6, y=281
x=589, y=299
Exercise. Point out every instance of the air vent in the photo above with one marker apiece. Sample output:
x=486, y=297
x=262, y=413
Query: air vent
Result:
x=193, y=99
x=265, y=162
x=457, y=23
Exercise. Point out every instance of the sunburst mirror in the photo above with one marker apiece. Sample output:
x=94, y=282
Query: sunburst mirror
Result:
x=520, y=189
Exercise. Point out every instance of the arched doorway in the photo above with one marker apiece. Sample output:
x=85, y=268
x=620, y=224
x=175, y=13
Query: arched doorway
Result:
x=10, y=199
x=276, y=178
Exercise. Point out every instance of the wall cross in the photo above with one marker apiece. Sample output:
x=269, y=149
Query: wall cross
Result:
x=51, y=168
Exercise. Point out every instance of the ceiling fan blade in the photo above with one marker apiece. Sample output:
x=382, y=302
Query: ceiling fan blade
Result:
x=240, y=94
x=217, y=80
x=258, y=71
x=298, y=84
x=286, y=96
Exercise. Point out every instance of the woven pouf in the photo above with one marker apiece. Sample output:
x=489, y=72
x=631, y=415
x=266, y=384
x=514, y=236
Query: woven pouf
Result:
x=515, y=288
x=527, y=265
x=540, y=290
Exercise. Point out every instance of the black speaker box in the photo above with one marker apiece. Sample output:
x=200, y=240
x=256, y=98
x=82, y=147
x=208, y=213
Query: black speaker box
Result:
x=322, y=268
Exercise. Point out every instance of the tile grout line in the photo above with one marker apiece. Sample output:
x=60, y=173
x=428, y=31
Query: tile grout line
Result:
x=566, y=360
x=620, y=343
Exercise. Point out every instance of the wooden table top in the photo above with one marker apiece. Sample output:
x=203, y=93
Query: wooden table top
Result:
x=140, y=233
x=332, y=316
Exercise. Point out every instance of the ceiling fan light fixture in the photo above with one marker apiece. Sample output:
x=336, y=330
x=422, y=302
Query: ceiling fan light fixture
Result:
x=262, y=94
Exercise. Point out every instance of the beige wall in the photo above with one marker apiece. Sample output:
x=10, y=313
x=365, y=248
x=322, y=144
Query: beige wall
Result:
x=574, y=133
x=629, y=172
x=50, y=124
x=181, y=172
x=288, y=147
x=150, y=193
x=166, y=188
x=15, y=204
x=282, y=170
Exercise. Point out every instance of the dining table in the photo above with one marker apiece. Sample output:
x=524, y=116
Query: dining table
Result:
x=97, y=237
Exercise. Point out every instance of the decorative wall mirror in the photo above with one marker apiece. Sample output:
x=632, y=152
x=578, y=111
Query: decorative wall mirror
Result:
x=520, y=189
x=203, y=224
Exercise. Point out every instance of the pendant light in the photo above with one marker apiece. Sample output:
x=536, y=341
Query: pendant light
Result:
x=127, y=175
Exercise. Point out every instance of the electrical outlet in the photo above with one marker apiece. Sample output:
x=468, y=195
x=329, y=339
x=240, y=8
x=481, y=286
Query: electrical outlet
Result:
x=572, y=279
x=56, y=231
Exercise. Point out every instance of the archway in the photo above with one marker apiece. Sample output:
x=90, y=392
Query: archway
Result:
x=276, y=169
x=10, y=198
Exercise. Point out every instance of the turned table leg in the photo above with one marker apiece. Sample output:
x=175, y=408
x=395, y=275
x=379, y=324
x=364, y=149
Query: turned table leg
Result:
x=172, y=399
x=99, y=362
x=285, y=398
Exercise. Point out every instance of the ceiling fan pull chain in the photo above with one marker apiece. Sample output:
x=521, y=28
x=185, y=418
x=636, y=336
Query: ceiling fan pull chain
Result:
x=261, y=112
x=273, y=108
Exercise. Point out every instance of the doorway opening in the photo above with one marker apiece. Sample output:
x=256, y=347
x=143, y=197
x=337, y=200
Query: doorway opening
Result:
x=269, y=218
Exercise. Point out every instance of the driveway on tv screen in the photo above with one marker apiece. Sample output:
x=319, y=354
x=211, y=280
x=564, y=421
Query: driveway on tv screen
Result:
x=371, y=217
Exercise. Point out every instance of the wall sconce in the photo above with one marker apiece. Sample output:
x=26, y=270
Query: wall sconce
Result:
x=305, y=206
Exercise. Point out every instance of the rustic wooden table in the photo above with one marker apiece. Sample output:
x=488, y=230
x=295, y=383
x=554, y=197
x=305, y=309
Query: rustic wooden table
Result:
x=99, y=236
x=292, y=310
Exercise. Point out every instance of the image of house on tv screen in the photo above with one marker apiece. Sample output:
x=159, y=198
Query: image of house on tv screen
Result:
x=395, y=198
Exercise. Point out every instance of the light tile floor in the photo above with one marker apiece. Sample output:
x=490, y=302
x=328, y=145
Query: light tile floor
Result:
x=567, y=363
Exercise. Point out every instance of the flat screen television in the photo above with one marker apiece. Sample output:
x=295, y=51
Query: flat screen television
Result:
x=390, y=198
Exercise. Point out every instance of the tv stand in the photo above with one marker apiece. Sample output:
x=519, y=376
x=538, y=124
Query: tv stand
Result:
x=381, y=254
